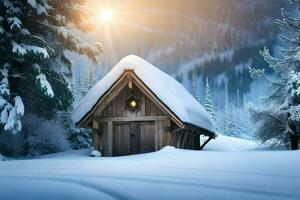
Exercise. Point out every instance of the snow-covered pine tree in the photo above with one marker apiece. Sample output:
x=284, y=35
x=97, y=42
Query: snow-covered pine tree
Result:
x=226, y=111
x=34, y=35
x=87, y=80
x=80, y=137
x=194, y=86
x=238, y=116
x=279, y=121
x=208, y=102
x=229, y=125
x=11, y=112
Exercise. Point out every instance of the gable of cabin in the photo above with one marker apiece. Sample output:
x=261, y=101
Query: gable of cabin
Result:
x=118, y=107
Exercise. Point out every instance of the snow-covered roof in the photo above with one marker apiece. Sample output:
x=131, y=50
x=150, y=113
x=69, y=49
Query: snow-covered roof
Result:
x=166, y=88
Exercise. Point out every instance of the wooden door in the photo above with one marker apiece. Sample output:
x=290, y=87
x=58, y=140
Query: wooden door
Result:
x=121, y=139
x=133, y=137
x=146, y=137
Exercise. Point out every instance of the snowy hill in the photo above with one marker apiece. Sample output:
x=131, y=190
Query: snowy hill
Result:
x=167, y=174
x=226, y=143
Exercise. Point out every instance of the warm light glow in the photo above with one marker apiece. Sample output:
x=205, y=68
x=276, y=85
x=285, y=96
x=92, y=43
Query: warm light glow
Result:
x=107, y=16
x=133, y=103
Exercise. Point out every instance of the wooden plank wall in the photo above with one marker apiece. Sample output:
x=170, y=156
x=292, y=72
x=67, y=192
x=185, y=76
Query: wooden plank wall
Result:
x=163, y=134
x=117, y=107
x=104, y=133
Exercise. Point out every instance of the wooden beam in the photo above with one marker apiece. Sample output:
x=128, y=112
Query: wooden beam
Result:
x=156, y=136
x=203, y=145
x=126, y=119
x=179, y=138
x=130, y=84
x=96, y=141
x=199, y=130
x=174, y=137
x=95, y=124
x=183, y=143
x=197, y=142
x=110, y=138
x=188, y=141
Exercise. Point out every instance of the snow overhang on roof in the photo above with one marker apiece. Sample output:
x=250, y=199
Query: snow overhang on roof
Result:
x=166, y=88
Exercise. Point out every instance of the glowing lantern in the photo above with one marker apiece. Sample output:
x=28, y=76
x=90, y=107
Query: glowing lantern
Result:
x=133, y=103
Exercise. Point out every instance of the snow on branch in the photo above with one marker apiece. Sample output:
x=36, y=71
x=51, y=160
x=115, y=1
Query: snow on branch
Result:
x=45, y=85
x=294, y=83
x=22, y=49
x=37, y=50
x=13, y=122
x=19, y=106
x=32, y=3
x=18, y=49
x=256, y=73
x=274, y=63
x=4, y=85
x=14, y=22
x=39, y=8
x=10, y=114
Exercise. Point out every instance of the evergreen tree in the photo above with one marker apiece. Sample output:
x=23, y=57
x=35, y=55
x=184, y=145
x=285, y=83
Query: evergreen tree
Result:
x=79, y=137
x=279, y=121
x=208, y=102
x=34, y=35
x=194, y=86
x=238, y=116
x=229, y=125
x=87, y=80
x=226, y=111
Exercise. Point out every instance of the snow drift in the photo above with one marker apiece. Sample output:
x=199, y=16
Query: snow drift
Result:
x=166, y=174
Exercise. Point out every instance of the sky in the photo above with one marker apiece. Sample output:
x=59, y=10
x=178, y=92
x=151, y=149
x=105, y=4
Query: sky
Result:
x=138, y=25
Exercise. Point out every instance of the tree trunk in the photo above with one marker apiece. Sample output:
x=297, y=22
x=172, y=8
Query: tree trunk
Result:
x=294, y=141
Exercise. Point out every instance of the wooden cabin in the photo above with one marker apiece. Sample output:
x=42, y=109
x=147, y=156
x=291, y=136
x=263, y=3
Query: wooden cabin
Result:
x=128, y=115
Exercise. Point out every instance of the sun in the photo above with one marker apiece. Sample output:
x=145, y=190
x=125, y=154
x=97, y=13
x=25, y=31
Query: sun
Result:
x=107, y=16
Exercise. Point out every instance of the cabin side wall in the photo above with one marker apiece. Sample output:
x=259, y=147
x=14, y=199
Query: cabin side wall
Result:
x=116, y=112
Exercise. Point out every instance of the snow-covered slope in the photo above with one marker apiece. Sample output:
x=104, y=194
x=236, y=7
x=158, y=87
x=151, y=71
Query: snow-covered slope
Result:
x=168, y=174
x=226, y=143
x=166, y=88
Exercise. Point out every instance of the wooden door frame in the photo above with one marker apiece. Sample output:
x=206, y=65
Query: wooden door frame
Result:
x=111, y=123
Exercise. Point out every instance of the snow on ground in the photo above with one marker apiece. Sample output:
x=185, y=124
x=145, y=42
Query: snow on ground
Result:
x=226, y=143
x=167, y=174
